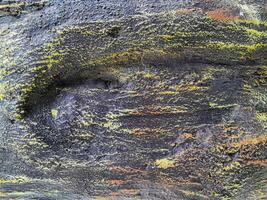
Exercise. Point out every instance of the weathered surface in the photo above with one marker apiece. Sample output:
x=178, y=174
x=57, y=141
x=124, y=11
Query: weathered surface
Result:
x=133, y=100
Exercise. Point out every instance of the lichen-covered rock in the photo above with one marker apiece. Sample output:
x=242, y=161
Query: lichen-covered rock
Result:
x=126, y=100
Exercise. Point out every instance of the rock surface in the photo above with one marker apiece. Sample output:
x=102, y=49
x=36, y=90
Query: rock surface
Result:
x=133, y=99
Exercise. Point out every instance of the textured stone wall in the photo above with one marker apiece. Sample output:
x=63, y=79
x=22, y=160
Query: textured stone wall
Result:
x=133, y=99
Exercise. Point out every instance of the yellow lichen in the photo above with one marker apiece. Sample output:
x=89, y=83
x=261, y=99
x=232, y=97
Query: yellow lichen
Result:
x=213, y=105
x=167, y=38
x=144, y=132
x=232, y=166
x=242, y=48
x=262, y=117
x=189, y=87
x=3, y=73
x=255, y=33
x=15, y=180
x=216, y=105
x=11, y=6
x=3, y=88
x=154, y=110
x=54, y=113
x=86, y=123
x=193, y=195
x=247, y=87
x=168, y=92
x=164, y=163
x=150, y=76
x=182, y=44
x=111, y=125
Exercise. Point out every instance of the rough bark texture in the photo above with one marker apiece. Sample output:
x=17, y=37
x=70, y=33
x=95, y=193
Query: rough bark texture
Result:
x=133, y=99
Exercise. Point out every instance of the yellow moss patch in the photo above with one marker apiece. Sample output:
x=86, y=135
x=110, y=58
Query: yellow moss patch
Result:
x=164, y=163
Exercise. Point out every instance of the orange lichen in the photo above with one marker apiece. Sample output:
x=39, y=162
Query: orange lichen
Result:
x=184, y=11
x=258, y=162
x=115, y=182
x=222, y=15
x=229, y=127
x=251, y=141
x=129, y=191
x=188, y=136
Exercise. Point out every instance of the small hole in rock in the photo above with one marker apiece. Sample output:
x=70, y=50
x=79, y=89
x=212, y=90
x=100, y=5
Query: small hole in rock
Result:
x=114, y=32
